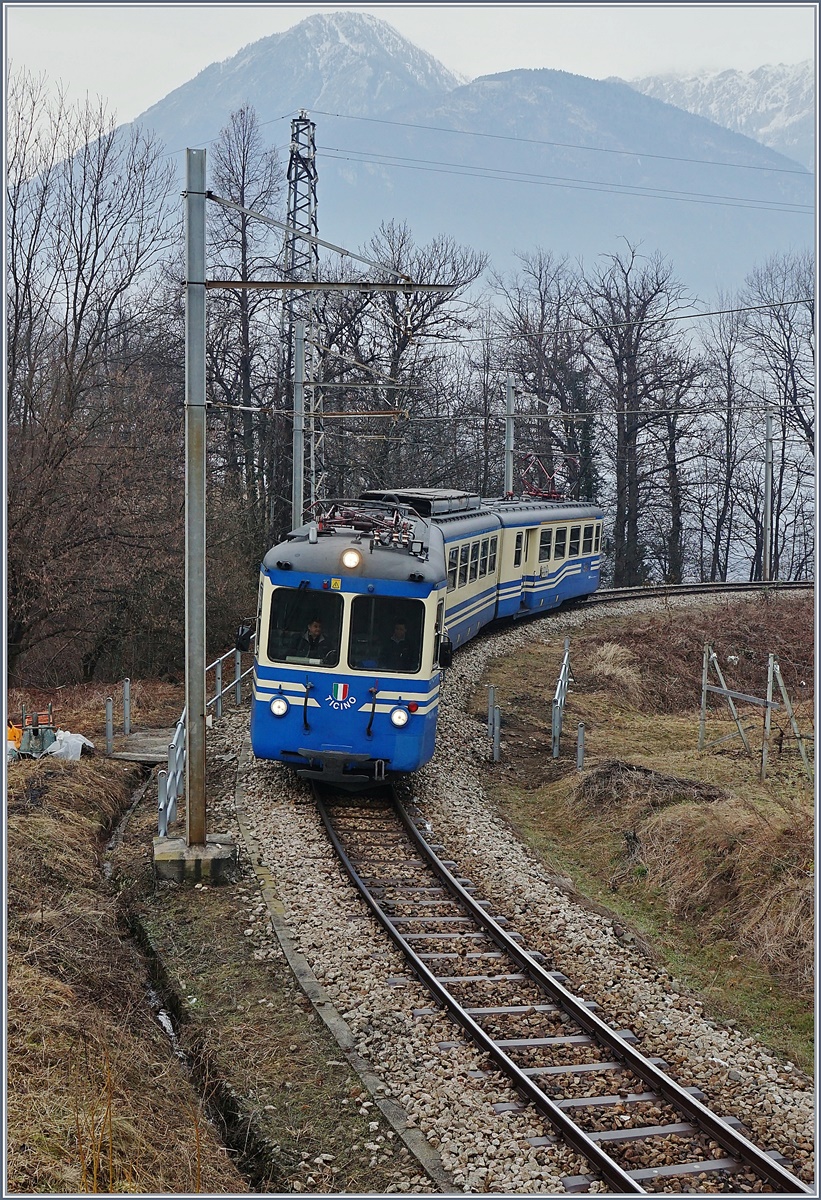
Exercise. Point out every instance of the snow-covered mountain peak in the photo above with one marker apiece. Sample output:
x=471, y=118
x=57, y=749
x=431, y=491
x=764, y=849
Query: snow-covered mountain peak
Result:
x=335, y=60
x=775, y=103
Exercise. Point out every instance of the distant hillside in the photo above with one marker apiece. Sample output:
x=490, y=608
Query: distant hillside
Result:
x=506, y=162
x=773, y=104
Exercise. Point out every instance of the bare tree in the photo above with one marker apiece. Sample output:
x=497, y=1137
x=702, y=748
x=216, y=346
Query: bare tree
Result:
x=545, y=354
x=779, y=331
x=88, y=220
x=483, y=404
x=243, y=343
x=394, y=346
x=625, y=306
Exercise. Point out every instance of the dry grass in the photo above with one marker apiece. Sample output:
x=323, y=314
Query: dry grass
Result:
x=97, y=1099
x=707, y=861
x=732, y=868
x=80, y=708
x=612, y=667
x=637, y=790
x=669, y=647
x=97, y=1102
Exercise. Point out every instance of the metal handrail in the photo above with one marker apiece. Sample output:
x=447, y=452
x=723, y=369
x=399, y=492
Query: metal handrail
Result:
x=565, y=677
x=171, y=782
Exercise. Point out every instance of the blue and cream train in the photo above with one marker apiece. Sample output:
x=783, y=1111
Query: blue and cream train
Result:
x=333, y=696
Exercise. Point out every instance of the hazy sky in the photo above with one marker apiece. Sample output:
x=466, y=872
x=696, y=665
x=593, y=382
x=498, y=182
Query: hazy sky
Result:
x=135, y=54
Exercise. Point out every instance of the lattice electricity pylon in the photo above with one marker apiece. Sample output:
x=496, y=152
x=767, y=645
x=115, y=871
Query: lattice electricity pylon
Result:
x=301, y=262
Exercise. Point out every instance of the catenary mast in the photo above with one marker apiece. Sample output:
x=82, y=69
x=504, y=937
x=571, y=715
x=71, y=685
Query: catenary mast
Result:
x=301, y=262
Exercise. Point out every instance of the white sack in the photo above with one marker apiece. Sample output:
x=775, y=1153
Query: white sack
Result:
x=68, y=745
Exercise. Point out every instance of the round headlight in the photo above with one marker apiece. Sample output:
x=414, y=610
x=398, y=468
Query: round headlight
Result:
x=279, y=706
x=399, y=717
x=351, y=558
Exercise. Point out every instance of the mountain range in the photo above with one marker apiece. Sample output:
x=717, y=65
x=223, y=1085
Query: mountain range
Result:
x=506, y=162
x=773, y=104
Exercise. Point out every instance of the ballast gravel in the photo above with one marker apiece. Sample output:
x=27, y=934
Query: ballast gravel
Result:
x=449, y=1094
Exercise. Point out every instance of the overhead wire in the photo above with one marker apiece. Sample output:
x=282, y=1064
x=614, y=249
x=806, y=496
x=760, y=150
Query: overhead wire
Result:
x=506, y=137
x=437, y=167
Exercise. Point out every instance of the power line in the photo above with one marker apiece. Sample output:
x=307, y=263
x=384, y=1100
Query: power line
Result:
x=503, y=137
x=719, y=312
x=441, y=168
x=806, y=175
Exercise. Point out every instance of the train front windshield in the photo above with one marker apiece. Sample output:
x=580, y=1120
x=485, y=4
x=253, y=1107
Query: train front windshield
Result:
x=384, y=633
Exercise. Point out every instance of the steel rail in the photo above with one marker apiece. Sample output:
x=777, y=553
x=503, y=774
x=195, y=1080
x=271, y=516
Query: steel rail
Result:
x=732, y=1141
x=603, y=595
x=575, y=1137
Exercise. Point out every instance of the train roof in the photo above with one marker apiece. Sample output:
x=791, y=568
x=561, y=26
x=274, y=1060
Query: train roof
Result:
x=428, y=502
x=445, y=504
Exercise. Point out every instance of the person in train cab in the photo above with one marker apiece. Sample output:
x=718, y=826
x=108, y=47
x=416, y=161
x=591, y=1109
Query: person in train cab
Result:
x=312, y=643
x=397, y=652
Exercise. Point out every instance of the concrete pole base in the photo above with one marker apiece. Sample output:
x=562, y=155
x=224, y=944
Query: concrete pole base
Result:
x=176, y=862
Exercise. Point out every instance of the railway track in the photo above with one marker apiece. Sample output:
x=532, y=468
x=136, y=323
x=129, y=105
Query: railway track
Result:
x=636, y=1129
x=672, y=590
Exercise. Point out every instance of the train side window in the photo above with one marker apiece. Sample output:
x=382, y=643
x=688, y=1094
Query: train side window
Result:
x=453, y=567
x=560, y=543
x=587, y=543
x=474, y=561
x=463, y=565
x=483, y=557
x=575, y=536
x=545, y=544
x=491, y=555
x=517, y=551
x=597, y=542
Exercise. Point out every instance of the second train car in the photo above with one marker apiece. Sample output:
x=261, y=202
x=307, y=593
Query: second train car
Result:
x=359, y=612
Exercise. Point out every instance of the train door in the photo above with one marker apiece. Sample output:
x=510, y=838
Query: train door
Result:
x=530, y=568
x=511, y=553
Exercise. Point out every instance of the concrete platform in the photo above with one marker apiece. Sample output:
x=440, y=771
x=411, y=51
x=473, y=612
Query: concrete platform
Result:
x=149, y=746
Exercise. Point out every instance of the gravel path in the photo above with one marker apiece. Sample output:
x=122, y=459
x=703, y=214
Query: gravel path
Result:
x=360, y=972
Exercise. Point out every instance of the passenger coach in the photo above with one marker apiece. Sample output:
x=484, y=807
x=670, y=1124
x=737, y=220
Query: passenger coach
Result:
x=359, y=611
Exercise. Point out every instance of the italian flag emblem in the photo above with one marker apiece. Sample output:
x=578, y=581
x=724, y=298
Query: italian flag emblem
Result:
x=340, y=691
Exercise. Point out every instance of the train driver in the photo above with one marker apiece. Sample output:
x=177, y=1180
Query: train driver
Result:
x=397, y=653
x=312, y=643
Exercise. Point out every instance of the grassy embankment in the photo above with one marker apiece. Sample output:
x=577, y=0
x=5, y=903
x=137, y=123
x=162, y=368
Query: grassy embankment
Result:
x=712, y=867
x=99, y=1100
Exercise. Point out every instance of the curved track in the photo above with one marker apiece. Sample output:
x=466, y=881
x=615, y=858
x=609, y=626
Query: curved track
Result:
x=671, y=590
x=636, y=1128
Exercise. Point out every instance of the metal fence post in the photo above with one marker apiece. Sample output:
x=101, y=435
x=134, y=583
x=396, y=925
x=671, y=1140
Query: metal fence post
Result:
x=179, y=757
x=218, y=685
x=790, y=713
x=497, y=733
x=580, y=747
x=556, y=727
x=702, y=721
x=126, y=707
x=162, y=802
x=491, y=705
x=765, y=747
x=109, y=724
x=237, y=677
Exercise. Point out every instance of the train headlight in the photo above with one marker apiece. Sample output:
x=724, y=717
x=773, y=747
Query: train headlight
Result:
x=351, y=558
x=399, y=717
x=279, y=706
